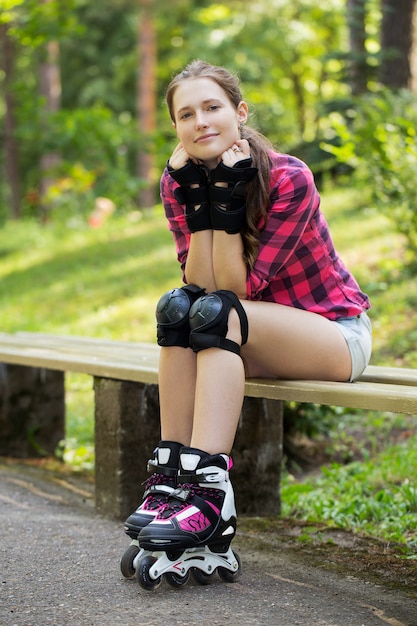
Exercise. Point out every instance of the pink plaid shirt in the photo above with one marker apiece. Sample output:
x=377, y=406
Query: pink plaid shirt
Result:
x=297, y=264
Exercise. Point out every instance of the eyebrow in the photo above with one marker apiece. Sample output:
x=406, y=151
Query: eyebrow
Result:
x=205, y=102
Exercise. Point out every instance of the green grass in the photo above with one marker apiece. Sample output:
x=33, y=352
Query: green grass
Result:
x=68, y=278
x=368, y=485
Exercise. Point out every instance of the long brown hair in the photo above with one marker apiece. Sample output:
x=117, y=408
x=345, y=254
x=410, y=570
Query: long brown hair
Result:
x=257, y=197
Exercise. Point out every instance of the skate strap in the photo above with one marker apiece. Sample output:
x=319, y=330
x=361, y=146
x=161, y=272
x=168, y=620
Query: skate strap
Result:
x=154, y=468
x=210, y=477
x=155, y=490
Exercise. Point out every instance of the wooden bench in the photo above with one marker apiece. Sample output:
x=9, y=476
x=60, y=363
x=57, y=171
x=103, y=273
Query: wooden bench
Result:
x=32, y=412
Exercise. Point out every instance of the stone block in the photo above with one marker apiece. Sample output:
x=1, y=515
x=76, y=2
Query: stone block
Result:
x=32, y=410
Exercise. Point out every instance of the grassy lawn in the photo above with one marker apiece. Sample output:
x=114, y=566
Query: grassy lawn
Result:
x=68, y=278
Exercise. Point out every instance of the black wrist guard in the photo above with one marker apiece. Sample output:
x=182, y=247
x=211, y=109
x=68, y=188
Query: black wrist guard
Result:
x=192, y=196
x=227, y=204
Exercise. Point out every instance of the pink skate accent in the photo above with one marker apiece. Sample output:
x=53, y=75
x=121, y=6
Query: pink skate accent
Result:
x=195, y=522
x=174, y=513
x=230, y=464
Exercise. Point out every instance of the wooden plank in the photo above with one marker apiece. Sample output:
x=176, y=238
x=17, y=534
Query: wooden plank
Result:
x=394, y=375
x=361, y=395
x=148, y=353
x=389, y=389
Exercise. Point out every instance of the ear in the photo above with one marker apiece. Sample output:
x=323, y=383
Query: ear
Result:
x=242, y=112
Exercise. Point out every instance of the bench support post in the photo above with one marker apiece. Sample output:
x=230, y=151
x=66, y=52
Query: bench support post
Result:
x=126, y=432
x=32, y=410
x=257, y=456
x=127, y=429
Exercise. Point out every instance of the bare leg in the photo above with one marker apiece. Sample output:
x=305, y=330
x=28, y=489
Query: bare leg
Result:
x=177, y=381
x=201, y=396
x=219, y=396
x=283, y=342
x=220, y=390
x=197, y=407
x=290, y=343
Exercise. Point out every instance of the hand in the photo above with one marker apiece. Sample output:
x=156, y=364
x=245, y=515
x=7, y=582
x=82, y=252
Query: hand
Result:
x=179, y=157
x=227, y=189
x=239, y=151
x=193, y=190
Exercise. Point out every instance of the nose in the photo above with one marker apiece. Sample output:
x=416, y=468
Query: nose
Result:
x=200, y=120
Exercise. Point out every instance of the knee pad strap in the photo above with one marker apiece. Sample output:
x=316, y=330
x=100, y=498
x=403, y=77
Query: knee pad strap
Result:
x=172, y=316
x=209, y=317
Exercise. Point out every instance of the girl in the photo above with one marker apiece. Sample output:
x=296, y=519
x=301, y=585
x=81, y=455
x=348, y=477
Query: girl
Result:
x=265, y=295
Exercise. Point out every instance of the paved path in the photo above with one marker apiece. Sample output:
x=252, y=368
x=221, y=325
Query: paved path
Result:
x=59, y=565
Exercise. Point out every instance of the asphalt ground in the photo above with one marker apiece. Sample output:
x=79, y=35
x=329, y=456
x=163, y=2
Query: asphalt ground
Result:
x=59, y=565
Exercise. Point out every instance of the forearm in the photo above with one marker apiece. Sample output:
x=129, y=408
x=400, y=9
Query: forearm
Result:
x=199, y=266
x=229, y=266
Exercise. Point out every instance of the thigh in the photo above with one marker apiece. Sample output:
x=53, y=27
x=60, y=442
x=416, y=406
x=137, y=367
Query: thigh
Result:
x=285, y=342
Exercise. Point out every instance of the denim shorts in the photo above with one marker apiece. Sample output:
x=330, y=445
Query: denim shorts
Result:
x=358, y=334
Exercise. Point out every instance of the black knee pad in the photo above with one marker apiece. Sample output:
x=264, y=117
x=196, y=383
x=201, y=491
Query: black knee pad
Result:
x=172, y=316
x=209, y=317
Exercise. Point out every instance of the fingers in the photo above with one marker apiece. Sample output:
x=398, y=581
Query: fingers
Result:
x=244, y=147
x=239, y=151
x=179, y=157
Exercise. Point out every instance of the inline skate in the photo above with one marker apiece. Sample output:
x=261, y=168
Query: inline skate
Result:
x=192, y=532
x=164, y=471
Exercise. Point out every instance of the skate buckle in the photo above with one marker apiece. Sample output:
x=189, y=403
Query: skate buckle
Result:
x=214, y=477
x=180, y=494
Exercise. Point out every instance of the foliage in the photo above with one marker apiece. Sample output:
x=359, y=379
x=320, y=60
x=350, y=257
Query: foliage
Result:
x=375, y=496
x=287, y=54
x=95, y=150
x=378, y=139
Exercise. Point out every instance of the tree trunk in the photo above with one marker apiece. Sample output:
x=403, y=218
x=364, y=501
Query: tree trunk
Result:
x=397, y=33
x=146, y=103
x=50, y=91
x=11, y=157
x=357, y=66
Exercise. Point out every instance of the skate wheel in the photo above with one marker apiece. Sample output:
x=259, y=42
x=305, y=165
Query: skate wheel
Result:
x=226, y=575
x=201, y=577
x=126, y=562
x=175, y=580
x=142, y=574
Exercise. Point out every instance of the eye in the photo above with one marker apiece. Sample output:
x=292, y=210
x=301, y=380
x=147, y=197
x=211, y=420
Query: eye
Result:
x=213, y=107
x=185, y=116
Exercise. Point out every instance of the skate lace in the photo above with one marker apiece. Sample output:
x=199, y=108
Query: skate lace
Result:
x=153, y=500
x=176, y=504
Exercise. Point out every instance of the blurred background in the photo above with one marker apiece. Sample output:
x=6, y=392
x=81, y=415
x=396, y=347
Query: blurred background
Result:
x=82, y=90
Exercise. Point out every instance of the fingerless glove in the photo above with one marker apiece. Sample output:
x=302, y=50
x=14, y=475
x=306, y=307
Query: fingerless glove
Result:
x=227, y=192
x=193, y=194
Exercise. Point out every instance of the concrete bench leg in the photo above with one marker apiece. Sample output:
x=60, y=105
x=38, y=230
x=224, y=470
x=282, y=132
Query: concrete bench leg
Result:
x=126, y=433
x=127, y=430
x=32, y=410
x=257, y=456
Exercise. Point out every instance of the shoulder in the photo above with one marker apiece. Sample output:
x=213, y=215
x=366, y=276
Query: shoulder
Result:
x=167, y=183
x=284, y=166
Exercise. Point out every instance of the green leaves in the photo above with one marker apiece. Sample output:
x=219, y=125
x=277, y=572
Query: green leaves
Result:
x=378, y=496
x=378, y=139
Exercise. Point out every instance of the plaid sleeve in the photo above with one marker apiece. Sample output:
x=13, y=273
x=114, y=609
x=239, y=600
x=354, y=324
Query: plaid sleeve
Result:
x=294, y=199
x=176, y=219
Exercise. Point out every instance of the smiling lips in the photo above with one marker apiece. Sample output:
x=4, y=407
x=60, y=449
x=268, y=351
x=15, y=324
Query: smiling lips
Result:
x=204, y=137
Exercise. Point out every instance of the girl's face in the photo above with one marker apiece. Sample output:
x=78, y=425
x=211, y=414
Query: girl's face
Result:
x=206, y=122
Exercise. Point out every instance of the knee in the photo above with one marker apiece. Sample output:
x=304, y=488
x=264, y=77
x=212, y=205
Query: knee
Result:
x=172, y=316
x=218, y=320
